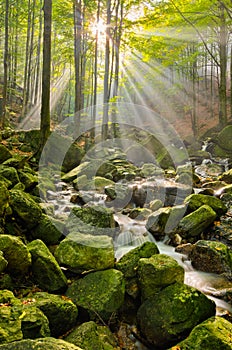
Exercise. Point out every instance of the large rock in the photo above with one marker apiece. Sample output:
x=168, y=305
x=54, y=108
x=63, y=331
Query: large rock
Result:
x=82, y=252
x=39, y=344
x=10, y=174
x=4, y=198
x=10, y=325
x=85, y=168
x=100, y=293
x=224, y=138
x=196, y=222
x=29, y=180
x=25, y=209
x=91, y=336
x=128, y=265
x=226, y=176
x=4, y=153
x=45, y=270
x=214, y=333
x=34, y=324
x=170, y=315
x=156, y=273
x=211, y=256
x=48, y=230
x=195, y=201
x=61, y=312
x=94, y=219
x=3, y=262
x=16, y=254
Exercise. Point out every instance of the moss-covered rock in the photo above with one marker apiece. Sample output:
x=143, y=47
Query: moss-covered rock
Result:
x=224, y=138
x=226, y=176
x=3, y=262
x=4, y=153
x=214, y=333
x=61, y=312
x=91, y=336
x=45, y=270
x=39, y=344
x=4, y=198
x=34, y=324
x=195, y=201
x=95, y=219
x=128, y=265
x=82, y=252
x=100, y=293
x=211, y=256
x=48, y=230
x=85, y=168
x=150, y=169
x=156, y=204
x=8, y=297
x=139, y=213
x=25, y=209
x=157, y=272
x=10, y=325
x=10, y=174
x=196, y=222
x=16, y=254
x=29, y=180
x=172, y=313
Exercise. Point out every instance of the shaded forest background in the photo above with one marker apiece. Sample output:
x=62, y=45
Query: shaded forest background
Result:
x=59, y=57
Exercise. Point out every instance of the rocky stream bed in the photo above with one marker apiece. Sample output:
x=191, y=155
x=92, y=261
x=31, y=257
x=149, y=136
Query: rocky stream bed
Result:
x=110, y=254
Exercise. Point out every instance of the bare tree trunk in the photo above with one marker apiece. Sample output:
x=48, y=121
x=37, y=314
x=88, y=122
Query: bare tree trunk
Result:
x=37, y=74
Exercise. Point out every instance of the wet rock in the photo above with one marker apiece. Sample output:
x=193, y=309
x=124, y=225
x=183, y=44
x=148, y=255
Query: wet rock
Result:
x=158, y=272
x=39, y=344
x=139, y=213
x=101, y=293
x=195, y=201
x=45, y=270
x=10, y=174
x=86, y=168
x=91, y=336
x=83, y=252
x=92, y=219
x=172, y=313
x=61, y=312
x=120, y=193
x=150, y=169
x=213, y=333
x=226, y=176
x=97, y=183
x=211, y=256
x=25, y=209
x=184, y=248
x=196, y=222
x=4, y=153
x=16, y=254
x=156, y=204
x=48, y=230
x=128, y=265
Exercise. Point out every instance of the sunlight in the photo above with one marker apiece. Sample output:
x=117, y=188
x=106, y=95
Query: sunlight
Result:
x=98, y=28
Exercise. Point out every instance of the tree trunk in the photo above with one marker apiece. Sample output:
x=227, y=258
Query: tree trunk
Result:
x=5, y=63
x=46, y=74
x=106, y=75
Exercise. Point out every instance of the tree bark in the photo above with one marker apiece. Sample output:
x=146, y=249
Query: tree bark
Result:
x=5, y=63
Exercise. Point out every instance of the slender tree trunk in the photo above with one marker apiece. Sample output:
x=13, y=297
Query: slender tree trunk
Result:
x=223, y=69
x=106, y=75
x=46, y=74
x=77, y=57
x=37, y=75
x=5, y=63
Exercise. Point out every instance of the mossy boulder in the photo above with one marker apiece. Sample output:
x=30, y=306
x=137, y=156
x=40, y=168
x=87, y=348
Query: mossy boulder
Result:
x=16, y=254
x=98, y=183
x=91, y=336
x=85, y=168
x=34, y=324
x=92, y=219
x=49, y=230
x=100, y=293
x=82, y=252
x=211, y=256
x=25, y=209
x=45, y=269
x=150, y=169
x=8, y=297
x=169, y=316
x=128, y=265
x=195, y=201
x=226, y=176
x=214, y=333
x=61, y=312
x=196, y=222
x=156, y=273
x=3, y=262
x=4, y=153
x=224, y=139
x=39, y=344
x=4, y=198
x=10, y=174
x=10, y=325
x=29, y=180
